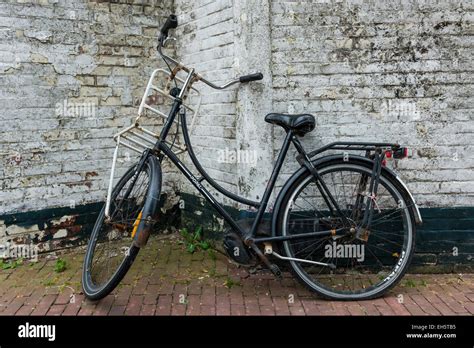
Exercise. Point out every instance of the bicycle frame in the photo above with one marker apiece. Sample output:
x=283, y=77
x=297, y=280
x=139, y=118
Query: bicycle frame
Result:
x=161, y=149
x=164, y=149
x=338, y=225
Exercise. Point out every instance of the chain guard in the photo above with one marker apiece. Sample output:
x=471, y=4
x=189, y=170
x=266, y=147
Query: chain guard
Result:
x=237, y=251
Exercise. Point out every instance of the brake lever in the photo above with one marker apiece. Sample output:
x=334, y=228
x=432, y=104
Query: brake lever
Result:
x=168, y=39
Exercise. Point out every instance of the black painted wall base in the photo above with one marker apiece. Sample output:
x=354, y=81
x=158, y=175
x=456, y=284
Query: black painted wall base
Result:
x=444, y=243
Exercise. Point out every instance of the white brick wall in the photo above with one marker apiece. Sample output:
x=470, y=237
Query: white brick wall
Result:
x=368, y=70
x=80, y=51
x=206, y=42
x=386, y=70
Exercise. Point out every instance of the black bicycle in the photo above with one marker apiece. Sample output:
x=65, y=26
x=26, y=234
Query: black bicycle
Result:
x=345, y=223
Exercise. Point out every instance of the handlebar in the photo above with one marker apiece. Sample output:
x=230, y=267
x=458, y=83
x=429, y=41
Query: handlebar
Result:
x=172, y=23
x=251, y=77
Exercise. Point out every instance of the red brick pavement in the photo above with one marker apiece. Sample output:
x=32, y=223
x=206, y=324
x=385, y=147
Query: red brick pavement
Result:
x=165, y=280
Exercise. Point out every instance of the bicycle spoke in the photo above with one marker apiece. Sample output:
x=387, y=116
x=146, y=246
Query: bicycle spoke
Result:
x=115, y=234
x=354, y=273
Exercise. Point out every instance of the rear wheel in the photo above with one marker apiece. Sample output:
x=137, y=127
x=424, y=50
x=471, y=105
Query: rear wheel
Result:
x=111, y=249
x=365, y=267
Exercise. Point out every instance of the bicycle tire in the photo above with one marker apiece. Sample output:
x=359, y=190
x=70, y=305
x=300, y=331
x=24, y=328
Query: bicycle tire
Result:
x=93, y=291
x=296, y=270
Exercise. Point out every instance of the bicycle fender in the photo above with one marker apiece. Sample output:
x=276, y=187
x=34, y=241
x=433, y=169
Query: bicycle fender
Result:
x=278, y=203
x=151, y=205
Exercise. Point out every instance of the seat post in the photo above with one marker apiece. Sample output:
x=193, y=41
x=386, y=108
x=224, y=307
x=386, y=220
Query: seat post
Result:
x=271, y=184
x=299, y=147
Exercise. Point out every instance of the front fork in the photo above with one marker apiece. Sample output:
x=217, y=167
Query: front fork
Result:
x=138, y=169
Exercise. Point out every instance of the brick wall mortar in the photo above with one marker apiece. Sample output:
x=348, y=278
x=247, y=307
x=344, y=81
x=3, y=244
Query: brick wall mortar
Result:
x=94, y=52
x=353, y=64
x=398, y=71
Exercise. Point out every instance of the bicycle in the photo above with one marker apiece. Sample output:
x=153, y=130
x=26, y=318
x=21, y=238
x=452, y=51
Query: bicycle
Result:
x=344, y=223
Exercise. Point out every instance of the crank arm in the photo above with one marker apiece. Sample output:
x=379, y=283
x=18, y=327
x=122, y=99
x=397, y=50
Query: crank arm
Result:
x=272, y=267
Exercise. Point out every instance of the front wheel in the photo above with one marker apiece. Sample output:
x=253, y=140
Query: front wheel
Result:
x=346, y=266
x=113, y=244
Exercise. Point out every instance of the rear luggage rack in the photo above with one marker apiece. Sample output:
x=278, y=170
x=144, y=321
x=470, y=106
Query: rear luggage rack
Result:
x=357, y=146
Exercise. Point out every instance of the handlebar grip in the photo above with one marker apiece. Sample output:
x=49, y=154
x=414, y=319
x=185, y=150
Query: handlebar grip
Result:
x=171, y=23
x=251, y=77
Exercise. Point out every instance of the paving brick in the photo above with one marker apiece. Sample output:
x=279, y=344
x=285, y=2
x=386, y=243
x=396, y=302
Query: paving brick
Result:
x=185, y=294
x=194, y=289
x=73, y=308
x=236, y=297
x=104, y=306
x=251, y=306
x=297, y=310
x=267, y=310
x=13, y=306
x=369, y=308
x=25, y=310
x=397, y=307
x=223, y=305
x=141, y=287
x=424, y=304
x=63, y=298
x=178, y=309
x=193, y=306
x=164, y=305
x=150, y=299
x=43, y=306
x=86, y=311
x=147, y=309
x=134, y=305
x=123, y=296
x=117, y=310
x=56, y=309
x=443, y=308
x=281, y=306
x=355, y=309
x=310, y=307
x=454, y=305
x=237, y=309
x=208, y=310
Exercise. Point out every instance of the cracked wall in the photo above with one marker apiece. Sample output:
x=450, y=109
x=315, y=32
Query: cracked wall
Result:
x=368, y=70
x=71, y=75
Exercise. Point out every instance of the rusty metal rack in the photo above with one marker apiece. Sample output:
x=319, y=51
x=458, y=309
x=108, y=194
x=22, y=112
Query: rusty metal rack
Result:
x=138, y=138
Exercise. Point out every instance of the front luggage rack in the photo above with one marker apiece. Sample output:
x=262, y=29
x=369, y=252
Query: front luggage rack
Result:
x=138, y=138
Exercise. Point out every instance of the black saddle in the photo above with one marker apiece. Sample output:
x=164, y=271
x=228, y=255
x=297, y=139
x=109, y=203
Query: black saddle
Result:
x=300, y=124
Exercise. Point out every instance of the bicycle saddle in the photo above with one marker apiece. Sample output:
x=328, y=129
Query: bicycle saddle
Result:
x=300, y=124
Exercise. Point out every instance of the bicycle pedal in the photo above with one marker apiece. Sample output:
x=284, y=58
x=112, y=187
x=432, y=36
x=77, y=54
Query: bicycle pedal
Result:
x=276, y=270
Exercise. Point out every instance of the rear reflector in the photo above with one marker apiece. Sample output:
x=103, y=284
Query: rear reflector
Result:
x=400, y=153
